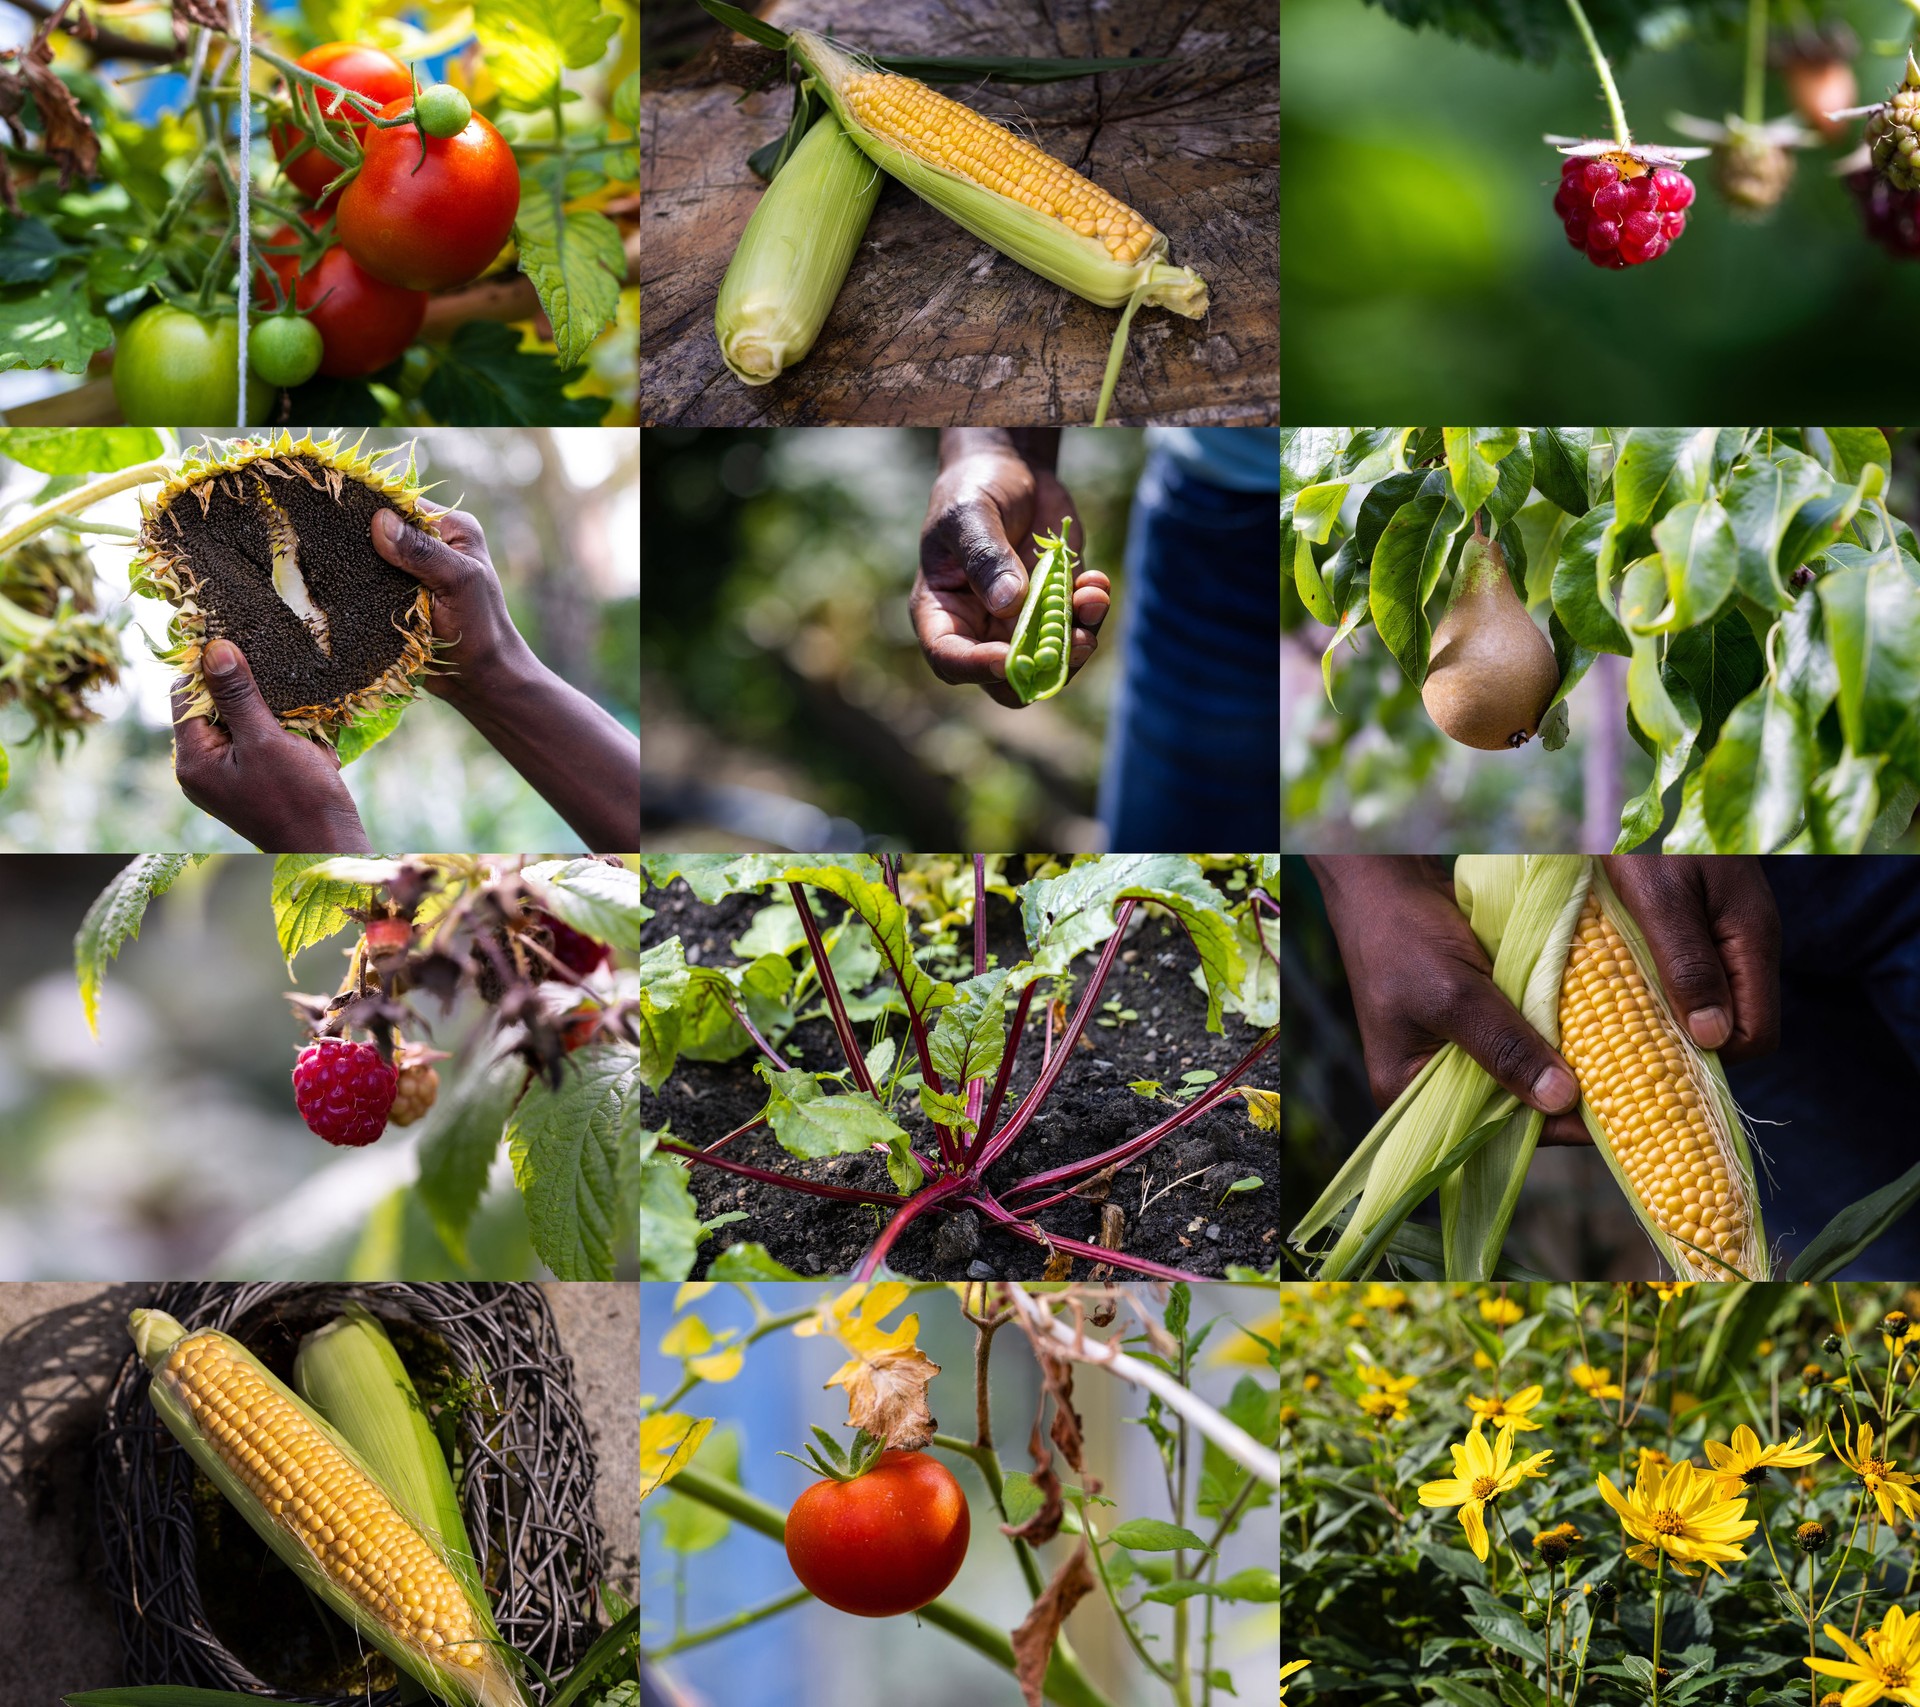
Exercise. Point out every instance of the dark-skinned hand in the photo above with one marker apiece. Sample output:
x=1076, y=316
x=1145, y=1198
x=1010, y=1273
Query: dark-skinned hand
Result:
x=976, y=549
x=1420, y=978
x=280, y=790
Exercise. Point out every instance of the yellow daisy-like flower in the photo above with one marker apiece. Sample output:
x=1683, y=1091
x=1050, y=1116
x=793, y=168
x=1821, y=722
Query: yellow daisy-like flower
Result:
x=1482, y=1361
x=1481, y=1474
x=1891, y=1488
x=1595, y=1383
x=1510, y=1411
x=1746, y=1462
x=1678, y=1512
x=1886, y=1668
x=1651, y=1457
x=1501, y=1312
x=1668, y=1290
x=1379, y=1297
x=1384, y=1407
x=1287, y=1671
x=1374, y=1376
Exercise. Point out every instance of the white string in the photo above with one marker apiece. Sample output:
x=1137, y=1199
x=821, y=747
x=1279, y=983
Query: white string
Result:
x=241, y=11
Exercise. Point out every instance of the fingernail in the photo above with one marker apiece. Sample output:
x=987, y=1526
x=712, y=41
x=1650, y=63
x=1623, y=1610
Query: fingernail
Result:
x=222, y=658
x=1710, y=1027
x=387, y=525
x=1556, y=1090
x=1003, y=594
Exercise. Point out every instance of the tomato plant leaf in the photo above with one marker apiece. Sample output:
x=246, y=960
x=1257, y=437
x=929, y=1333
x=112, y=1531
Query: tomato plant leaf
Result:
x=485, y=379
x=575, y=260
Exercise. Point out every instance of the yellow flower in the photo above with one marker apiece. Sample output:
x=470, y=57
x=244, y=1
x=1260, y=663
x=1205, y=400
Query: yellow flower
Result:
x=1746, y=1462
x=1384, y=1407
x=1763, y=1349
x=1374, y=1376
x=1888, y=1667
x=1595, y=1383
x=1678, y=1512
x=1668, y=1290
x=1481, y=1474
x=1890, y=1487
x=1287, y=1671
x=1482, y=1361
x=1651, y=1457
x=1378, y=1297
x=1511, y=1410
x=1501, y=1312
x=1310, y=1383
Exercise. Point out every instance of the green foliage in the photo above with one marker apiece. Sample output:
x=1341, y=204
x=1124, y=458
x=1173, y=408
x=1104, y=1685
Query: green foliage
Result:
x=1765, y=595
x=1539, y=30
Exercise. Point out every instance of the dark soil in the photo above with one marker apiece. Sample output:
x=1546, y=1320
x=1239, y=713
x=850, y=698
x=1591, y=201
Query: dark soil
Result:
x=1185, y=1225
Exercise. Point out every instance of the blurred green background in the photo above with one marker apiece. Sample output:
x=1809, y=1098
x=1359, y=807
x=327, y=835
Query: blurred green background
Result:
x=558, y=506
x=788, y=703
x=1424, y=274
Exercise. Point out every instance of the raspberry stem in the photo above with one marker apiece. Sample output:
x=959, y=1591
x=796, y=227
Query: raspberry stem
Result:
x=1615, y=110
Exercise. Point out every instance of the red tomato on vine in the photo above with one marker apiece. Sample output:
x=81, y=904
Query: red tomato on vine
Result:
x=433, y=221
x=883, y=1543
x=364, y=322
x=366, y=71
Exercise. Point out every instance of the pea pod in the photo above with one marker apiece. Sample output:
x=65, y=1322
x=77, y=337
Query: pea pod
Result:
x=1041, y=651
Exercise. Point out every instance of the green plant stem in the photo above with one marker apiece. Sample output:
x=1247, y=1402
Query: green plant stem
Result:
x=1753, y=94
x=739, y=1621
x=71, y=503
x=1659, y=1618
x=1615, y=111
x=1066, y=1683
x=1113, y=1597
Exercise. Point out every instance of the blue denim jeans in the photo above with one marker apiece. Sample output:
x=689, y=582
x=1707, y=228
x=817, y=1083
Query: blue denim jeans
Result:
x=1193, y=749
x=1844, y=1084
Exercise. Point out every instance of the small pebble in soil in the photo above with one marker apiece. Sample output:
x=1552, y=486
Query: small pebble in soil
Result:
x=1218, y=1178
x=1213, y=1232
x=1104, y=1066
x=981, y=1271
x=957, y=1240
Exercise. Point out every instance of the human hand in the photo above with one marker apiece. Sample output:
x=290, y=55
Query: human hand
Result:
x=1420, y=978
x=973, y=578
x=280, y=790
x=474, y=636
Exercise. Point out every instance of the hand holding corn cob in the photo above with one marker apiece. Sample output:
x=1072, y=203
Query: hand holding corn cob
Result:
x=1568, y=953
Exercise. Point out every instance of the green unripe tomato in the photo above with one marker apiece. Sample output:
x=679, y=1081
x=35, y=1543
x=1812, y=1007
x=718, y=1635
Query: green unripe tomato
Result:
x=442, y=111
x=283, y=349
x=175, y=369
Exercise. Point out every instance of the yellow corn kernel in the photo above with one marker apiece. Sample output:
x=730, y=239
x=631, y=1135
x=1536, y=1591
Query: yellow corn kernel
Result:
x=1659, y=1117
x=949, y=134
x=335, y=1510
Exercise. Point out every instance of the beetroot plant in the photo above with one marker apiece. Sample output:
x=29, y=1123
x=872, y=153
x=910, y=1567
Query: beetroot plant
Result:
x=951, y=1057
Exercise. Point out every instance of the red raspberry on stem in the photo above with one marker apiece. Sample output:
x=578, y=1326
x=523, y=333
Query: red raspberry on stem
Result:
x=1621, y=218
x=344, y=1090
x=578, y=953
x=389, y=934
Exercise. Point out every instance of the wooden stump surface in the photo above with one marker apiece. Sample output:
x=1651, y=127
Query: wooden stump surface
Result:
x=934, y=327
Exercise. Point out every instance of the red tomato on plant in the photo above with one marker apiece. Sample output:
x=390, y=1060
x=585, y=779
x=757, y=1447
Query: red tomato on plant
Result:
x=363, y=322
x=366, y=71
x=884, y=1543
x=433, y=222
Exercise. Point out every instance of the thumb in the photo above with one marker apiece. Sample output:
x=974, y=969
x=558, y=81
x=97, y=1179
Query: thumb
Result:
x=235, y=695
x=1490, y=1029
x=431, y=562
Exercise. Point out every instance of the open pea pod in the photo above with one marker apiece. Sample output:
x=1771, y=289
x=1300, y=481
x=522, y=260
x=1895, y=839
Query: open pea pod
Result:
x=1041, y=651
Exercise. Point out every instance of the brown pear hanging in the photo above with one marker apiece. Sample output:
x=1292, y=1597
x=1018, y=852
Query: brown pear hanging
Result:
x=1492, y=672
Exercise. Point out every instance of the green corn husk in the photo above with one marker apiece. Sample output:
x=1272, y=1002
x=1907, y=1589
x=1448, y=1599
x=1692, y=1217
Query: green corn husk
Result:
x=156, y=1336
x=793, y=256
x=1455, y=1132
x=1040, y=243
x=350, y=1373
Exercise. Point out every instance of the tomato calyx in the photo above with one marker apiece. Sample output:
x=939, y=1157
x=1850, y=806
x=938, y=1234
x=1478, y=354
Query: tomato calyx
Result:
x=842, y=1464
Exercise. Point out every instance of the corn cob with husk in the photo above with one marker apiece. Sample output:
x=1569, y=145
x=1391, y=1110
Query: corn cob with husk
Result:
x=1570, y=956
x=1006, y=191
x=319, y=1505
x=793, y=256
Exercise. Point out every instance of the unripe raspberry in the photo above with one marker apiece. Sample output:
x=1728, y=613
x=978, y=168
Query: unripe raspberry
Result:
x=419, y=1086
x=1893, y=133
x=1753, y=173
x=343, y=1090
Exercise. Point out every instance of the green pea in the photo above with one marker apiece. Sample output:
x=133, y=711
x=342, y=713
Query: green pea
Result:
x=1038, y=657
